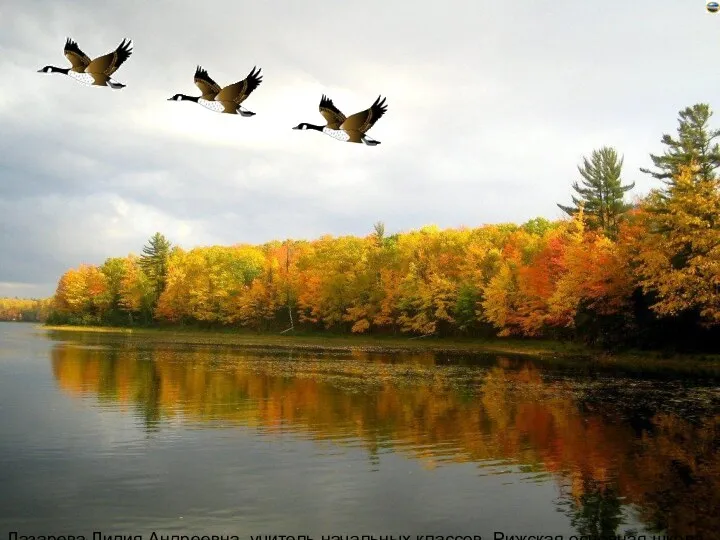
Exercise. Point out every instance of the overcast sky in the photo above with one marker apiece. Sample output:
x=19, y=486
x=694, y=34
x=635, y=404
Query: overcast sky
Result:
x=491, y=105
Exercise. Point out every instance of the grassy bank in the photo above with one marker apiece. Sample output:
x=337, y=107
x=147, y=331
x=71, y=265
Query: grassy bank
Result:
x=546, y=350
x=336, y=341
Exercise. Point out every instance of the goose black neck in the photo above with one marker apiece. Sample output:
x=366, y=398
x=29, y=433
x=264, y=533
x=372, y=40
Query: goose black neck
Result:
x=313, y=126
x=54, y=69
x=183, y=97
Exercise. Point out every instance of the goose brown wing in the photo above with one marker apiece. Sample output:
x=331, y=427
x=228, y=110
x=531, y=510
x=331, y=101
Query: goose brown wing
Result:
x=366, y=119
x=204, y=82
x=109, y=63
x=331, y=113
x=77, y=58
x=239, y=91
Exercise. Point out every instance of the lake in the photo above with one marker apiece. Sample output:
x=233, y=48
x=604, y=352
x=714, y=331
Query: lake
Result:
x=128, y=435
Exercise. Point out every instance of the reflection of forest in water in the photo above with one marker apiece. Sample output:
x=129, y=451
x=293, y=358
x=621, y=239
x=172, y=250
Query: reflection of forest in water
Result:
x=506, y=414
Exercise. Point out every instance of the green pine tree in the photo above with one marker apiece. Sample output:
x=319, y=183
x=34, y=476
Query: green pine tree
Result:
x=154, y=260
x=602, y=193
x=694, y=144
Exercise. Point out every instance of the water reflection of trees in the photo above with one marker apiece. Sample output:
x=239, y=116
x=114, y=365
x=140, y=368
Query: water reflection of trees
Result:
x=502, y=415
x=595, y=508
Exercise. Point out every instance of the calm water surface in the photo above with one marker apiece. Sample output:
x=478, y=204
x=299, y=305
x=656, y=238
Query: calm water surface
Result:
x=124, y=435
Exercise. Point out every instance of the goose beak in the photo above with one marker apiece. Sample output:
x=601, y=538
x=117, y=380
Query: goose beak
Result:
x=296, y=127
x=39, y=70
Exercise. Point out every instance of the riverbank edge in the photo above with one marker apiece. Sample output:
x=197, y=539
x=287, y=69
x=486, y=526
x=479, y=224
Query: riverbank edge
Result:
x=543, y=349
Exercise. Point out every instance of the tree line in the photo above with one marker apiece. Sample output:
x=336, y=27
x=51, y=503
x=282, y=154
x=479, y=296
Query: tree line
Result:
x=614, y=273
x=24, y=309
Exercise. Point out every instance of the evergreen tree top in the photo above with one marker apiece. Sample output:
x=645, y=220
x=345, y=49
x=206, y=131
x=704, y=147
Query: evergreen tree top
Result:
x=694, y=143
x=601, y=193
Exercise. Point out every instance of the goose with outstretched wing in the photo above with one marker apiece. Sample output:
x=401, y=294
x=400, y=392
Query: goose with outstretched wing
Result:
x=353, y=128
x=95, y=72
x=223, y=100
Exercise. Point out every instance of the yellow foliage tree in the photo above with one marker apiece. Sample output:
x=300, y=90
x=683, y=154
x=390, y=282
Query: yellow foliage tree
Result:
x=82, y=291
x=205, y=284
x=260, y=301
x=136, y=290
x=679, y=256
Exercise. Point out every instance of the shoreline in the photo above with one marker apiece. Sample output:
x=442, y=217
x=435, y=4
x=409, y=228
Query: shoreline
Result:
x=546, y=350
x=340, y=341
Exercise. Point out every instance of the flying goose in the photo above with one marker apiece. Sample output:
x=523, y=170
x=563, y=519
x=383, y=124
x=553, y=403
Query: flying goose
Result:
x=92, y=72
x=225, y=100
x=348, y=129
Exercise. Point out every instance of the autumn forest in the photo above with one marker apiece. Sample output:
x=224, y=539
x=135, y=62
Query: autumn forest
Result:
x=617, y=272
